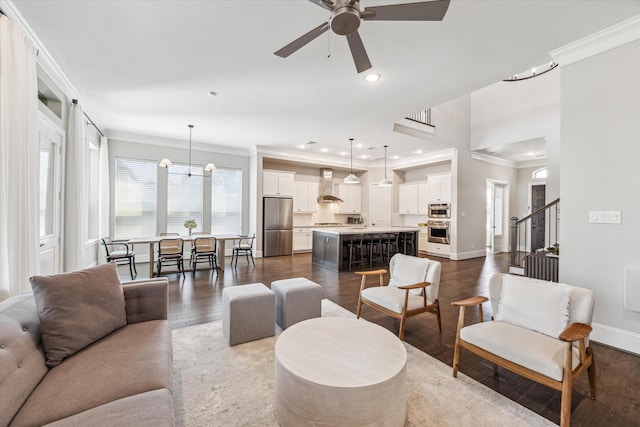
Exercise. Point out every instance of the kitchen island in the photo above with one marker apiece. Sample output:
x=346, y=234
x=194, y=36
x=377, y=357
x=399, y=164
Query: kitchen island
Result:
x=329, y=243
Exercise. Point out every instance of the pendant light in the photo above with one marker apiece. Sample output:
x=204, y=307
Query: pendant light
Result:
x=166, y=163
x=351, y=178
x=385, y=182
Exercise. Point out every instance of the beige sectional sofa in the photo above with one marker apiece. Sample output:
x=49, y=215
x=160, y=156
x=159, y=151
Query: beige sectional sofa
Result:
x=121, y=379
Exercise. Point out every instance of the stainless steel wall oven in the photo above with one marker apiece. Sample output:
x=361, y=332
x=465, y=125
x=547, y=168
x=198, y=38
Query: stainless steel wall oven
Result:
x=439, y=210
x=438, y=232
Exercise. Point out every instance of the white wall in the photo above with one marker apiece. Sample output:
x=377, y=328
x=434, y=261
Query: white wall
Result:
x=508, y=112
x=601, y=171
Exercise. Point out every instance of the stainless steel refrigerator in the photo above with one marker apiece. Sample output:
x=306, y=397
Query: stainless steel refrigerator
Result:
x=277, y=220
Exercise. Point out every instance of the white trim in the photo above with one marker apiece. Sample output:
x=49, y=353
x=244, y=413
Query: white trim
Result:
x=491, y=159
x=467, y=255
x=413, y=128
x=596, y=43
x=614, y=337
x=173, y=143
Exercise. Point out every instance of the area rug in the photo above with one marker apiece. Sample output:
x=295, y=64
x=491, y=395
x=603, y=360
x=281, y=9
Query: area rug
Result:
x=218, y=385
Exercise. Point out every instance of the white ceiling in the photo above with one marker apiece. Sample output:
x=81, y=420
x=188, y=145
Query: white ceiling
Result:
x=146, y=67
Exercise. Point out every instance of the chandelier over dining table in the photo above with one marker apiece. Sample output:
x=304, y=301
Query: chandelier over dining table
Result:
x=206, y=172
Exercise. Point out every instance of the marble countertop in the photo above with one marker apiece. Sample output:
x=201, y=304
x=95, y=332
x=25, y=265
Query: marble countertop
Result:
x=355, y=229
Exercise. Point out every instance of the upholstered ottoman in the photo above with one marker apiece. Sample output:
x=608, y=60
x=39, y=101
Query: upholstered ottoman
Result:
x=297, y=299
x=248, y=313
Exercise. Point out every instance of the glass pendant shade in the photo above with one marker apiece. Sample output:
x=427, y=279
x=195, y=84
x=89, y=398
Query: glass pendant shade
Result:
x=385, y=182
x=351, y=178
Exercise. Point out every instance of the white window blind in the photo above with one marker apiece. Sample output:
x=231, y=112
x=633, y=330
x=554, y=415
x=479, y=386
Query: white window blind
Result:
x=135, y=190
x=184, y=199
x=226, y=201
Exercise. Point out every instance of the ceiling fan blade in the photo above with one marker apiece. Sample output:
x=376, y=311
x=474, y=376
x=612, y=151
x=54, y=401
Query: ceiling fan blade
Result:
x=358, y=52
x=302, y=41
x=421, y=11
x=325, y=4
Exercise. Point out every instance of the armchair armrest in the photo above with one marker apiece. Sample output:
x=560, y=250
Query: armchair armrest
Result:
x=469, y=302
x=371, y=272
x=146, y=300
x=415, y=286
x=574, y=332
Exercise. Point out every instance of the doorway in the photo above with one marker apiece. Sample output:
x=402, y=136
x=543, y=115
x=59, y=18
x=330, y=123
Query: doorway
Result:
x=51, y=141
x=538, y=221
x=497, y=208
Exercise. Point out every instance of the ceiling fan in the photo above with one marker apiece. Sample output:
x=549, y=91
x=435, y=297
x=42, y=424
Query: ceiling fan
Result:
x=345, y=21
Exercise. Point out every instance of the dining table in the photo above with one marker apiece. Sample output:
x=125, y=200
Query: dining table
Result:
x=221, y=240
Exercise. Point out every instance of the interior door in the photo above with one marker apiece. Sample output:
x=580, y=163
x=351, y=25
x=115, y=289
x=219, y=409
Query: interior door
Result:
x=380, y=206
x=496, y=217
x=51, y=141
x=538, y=197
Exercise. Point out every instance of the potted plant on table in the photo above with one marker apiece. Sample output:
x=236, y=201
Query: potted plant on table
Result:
x=190, y=224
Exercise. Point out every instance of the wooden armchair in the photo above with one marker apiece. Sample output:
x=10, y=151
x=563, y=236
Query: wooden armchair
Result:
x=539, y=330
x=412, y=289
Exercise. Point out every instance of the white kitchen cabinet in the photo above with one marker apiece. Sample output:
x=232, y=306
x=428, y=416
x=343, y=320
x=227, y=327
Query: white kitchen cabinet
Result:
x=438, y=249
x=413, y=198
x=351, y=196
x=276, y=183
x=302, y=239
x=305, y=197
x=423, y=240
x=439, y=188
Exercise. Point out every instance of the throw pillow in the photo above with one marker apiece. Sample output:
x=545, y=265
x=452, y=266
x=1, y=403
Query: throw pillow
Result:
x=534, y=304
x=77, y=309
x=407, y=270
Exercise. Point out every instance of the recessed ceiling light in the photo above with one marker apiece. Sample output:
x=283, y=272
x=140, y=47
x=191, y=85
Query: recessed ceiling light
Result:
x=395, y=157
x=343, y=153
x=418, y=151
x=302, y=146
x=359, y=145
x=372, y=77
x=324, y=150
x=364, y=156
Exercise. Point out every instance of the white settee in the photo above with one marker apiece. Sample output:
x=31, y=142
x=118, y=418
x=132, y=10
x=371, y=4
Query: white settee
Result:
x=540, y=330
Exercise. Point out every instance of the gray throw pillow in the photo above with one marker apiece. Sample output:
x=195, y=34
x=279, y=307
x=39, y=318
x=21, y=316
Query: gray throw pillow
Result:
x=77, y=309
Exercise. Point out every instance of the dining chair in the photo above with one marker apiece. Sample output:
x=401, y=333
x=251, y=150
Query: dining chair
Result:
x=171, y=251
x=118, y=251
x=245, y=246
x=204, y=247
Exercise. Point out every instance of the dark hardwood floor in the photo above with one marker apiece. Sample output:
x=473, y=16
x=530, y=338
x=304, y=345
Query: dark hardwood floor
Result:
x=198, y=300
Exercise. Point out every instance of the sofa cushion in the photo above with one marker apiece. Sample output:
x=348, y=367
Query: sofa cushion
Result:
x=393, y=298
x=539, y=306
x=77, y=309
x=149, y=409
x=527, y=348
x=21, y=357
x=132, y=360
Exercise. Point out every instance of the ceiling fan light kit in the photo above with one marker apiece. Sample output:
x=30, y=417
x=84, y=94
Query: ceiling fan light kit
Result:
x=167, y=163
x=345, y=21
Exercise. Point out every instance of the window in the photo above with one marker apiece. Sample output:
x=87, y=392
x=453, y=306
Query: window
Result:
x=47, y=164
x=539, y=174
x=226, y=201
x=135, y=198
x=184, y=199
x=93, y=189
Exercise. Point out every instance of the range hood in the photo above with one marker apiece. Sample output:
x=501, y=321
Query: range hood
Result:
x=327, y=187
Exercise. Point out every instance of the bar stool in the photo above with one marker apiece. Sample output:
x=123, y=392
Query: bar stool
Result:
x=390, y=245
x=409, y=240
x=355, y=247
x=376, y=251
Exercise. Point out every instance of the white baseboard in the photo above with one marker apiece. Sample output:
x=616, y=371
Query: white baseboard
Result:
x=614, y=337
x=467, y=255
x=516, y=270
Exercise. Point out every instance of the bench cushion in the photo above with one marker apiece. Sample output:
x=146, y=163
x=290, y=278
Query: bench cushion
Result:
x=527, y=348
x=539, y=306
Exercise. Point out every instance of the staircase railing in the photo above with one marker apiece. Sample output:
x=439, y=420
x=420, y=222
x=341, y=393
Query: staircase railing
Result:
x=529, y=245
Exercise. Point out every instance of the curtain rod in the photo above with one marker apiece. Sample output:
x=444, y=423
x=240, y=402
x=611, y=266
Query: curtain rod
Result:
x=75, y=101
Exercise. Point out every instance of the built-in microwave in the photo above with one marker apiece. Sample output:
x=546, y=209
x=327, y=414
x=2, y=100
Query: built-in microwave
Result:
x=439, y=210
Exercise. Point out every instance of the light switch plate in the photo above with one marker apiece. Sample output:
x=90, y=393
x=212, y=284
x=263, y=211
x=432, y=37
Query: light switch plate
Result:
x=605, y=217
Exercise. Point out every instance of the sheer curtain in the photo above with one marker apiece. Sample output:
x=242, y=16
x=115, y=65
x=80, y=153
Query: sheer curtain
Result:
x=103, y=197
x=75, y=198
x=19, y=160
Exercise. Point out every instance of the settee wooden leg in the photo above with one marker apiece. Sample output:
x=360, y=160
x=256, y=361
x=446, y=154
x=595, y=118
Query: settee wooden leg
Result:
x=456, y=349
x=438, y=315
x=591, y=370
x=567, y=386
x=401, y=333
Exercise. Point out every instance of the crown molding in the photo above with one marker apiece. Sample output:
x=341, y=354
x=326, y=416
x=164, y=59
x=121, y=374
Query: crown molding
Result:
x=309, y=158
x=617, y=35
x=490, y=159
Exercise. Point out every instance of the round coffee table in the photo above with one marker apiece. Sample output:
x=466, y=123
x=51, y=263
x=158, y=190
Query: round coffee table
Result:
x=340, y=371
